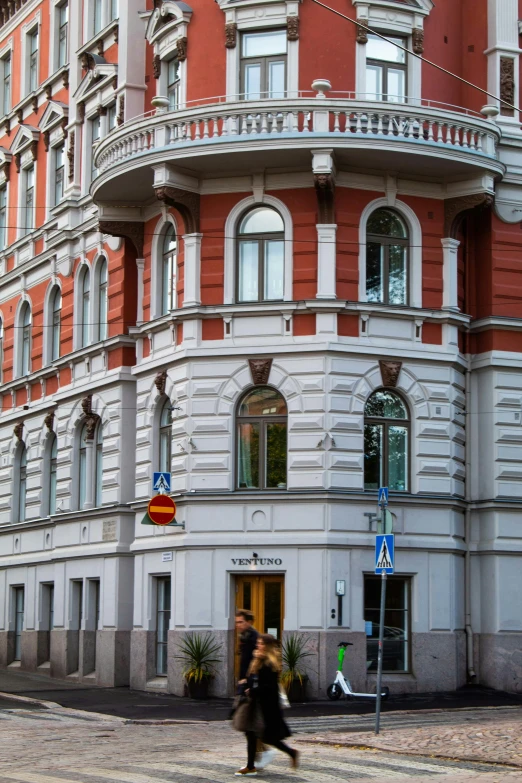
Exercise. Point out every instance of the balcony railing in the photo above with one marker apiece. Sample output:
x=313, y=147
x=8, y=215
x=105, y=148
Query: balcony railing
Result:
x=337, y=119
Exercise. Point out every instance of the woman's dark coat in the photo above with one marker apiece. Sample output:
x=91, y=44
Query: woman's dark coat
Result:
x=264, y=692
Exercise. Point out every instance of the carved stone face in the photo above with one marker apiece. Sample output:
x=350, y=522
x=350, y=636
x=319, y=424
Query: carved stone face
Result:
x=390, y=372
x=260, y=370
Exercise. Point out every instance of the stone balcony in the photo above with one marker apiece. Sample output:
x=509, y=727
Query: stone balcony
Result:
x=416, y=140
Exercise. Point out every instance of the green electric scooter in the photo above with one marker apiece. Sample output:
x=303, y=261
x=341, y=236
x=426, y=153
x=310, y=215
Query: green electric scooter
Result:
x=342, y=685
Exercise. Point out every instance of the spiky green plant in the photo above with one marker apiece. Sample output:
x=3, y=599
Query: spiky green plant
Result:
x=294, y=651
x=199, y=652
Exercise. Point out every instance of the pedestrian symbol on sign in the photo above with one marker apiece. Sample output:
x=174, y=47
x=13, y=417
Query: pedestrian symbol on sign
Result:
x=161, y=482
x=384, y=554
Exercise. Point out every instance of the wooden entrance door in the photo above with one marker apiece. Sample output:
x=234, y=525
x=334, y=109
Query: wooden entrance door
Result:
x=264, y=596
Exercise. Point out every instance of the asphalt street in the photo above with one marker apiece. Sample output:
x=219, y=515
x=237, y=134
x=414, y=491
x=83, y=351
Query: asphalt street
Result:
x=140, y=705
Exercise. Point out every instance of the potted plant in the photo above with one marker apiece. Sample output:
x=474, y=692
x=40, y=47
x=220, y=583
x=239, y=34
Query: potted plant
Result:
x=199, y=652
x=294, y=679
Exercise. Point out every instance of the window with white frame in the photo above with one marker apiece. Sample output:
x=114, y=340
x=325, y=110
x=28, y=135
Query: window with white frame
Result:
x=163, y=592
x=6, y=84
x=55, y=323
x=386, y=69
x=28, y=200
x=3, y=217
x=59, y=173
x=21, y=467
x=32, y=50
x=168, y=270
x=82, y=468
x=25, y=324
x=386, y=258
x=97, y=16
x=102, y=282
x=63, y=34
x=260, y=256
x=85, y=307
x=95, y=135
x=52, y=452
x=112, y=113
x=263, y=64
x=90, y=466
x=114, y=9
x=173, y=83
x=165, y=437
x=98, y=466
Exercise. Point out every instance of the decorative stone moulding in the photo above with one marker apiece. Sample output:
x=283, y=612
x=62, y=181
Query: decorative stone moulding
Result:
x=49, y=421
x=186, y=202
x=507, y=85
x=181, y=46
x=325, y=192
x=132, y=231
x=390, y=372
x=156, y=66
x=91, y=418
x=160, y=381
x=260, y=371
x=70, y=155
x=454, y=209
x=362, y=32
x=231, y=35
x=18, y=430
x=418, y=40
x=292, y=28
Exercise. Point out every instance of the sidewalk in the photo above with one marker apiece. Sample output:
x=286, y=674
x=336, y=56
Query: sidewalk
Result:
x=140, y=705
x=494, y=739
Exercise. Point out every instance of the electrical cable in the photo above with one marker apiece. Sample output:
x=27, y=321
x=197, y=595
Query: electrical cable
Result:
x=419, y=56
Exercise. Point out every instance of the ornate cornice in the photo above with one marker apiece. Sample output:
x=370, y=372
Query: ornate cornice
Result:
x=120, y=228
x=325, y=192
x=185, y=201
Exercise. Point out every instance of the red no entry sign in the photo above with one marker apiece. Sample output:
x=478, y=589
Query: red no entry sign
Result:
x=162, y=509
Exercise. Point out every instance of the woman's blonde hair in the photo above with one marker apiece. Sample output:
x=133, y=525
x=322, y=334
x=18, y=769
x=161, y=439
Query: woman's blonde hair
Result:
x=270, y=655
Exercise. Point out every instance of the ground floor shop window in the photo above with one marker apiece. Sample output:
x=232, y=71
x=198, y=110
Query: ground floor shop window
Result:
x=396, y=656
x=162, y=624
x=19, y=600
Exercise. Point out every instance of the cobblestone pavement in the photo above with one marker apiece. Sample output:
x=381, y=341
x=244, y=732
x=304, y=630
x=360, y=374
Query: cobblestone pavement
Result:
x=65, y=746
x=490, y=735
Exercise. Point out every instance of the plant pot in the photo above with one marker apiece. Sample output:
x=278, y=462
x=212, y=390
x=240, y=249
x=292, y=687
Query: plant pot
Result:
x=297, y=690
x=198, y=690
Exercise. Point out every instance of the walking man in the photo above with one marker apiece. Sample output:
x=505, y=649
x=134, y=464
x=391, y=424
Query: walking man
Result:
x=248, y=637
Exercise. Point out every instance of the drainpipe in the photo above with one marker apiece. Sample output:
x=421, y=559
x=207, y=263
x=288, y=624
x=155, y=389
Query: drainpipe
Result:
x=467, y=559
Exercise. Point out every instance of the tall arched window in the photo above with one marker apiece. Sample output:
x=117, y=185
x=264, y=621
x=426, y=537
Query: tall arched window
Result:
x=260, y=256
x=56, y=312
x=82, y=468
x=102, y=304
x=22, y=482
x=386, y=442
x=168, y=271
x=261, y=440
x=53, y=468
x=25, y=346
x=165, y=438
x=386, y=258
x=85, y=307
x=98, y=466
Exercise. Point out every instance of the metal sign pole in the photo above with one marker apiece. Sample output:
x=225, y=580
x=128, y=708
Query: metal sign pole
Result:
x=379, y=656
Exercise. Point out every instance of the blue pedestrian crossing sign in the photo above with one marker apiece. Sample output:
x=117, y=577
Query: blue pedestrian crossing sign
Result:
x=385, y=553
x=161, y=482
x=383, y=496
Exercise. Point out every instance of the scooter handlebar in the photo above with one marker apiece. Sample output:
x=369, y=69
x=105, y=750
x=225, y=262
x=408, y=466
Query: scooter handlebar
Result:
x=345, y=644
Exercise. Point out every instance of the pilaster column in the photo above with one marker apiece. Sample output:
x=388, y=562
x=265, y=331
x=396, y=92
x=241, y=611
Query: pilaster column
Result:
x=503, y=54
x=450, y=295
x=192, y=296
x=326, y=260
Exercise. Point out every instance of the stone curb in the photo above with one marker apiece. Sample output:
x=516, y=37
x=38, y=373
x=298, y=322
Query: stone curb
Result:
x=53, y=705
x=168, y=722
x=403, y=752
x=27, y=700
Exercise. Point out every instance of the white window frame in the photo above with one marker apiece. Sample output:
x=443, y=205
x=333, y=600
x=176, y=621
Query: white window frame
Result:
x=395, y=20
x=164, y=40
x=30, y=87
x=47, y=474
x=55, y=64
x=89, y=15
x=54, y=171
x=27, y=30
x=83, y=268
x=4, y=189
x=19, y=338
x=52, y=289
x=245, y=16
x=97, y=333
x=91, y=494
x=157, y=266
x=6, y=54
x=19, y=484
x=23, y=230
x=414, y=248
x=231, y=227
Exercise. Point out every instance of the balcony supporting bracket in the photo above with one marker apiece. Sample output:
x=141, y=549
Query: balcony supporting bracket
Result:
x=186, y=202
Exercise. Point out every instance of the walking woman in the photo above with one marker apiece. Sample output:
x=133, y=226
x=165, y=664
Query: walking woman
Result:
x=266, y=721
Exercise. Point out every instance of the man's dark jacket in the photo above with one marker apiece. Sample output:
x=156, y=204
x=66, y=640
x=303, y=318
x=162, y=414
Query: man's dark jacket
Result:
x=247, y=645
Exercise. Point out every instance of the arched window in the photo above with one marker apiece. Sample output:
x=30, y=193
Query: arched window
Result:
x=85, y=307
x=53, y=454
x=386, y=442
x=386, y=258
x=165, y=438
x=82, y=468
x=261, y=440
x=260, y=256
x=22, y=482
x=56, y=311
x=168, y=271
x=102, y=304
x=25, y=346
x=98, y=466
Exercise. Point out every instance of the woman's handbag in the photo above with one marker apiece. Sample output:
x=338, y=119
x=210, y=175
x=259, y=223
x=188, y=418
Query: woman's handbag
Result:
x=247, y=717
